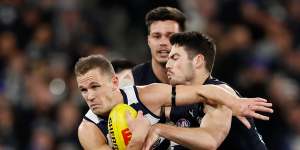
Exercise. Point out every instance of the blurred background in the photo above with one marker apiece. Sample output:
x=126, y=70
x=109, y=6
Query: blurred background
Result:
x=258, y=53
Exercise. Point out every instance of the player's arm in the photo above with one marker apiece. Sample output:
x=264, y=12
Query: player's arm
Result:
x=157, y=95
x=216, y=95
x=214, y=128
x=90, y=137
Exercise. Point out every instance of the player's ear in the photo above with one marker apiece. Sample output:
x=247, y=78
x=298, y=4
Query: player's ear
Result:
x=148, y=36
x=115, y=82
x=199, y=61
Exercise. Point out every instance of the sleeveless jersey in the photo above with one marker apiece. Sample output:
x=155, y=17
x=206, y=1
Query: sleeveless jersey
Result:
x=143, y=74
x=239, y=137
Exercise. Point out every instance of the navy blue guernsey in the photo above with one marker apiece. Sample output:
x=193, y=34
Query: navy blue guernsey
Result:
x=239, y=137
x=143, y=74
x=130, y=97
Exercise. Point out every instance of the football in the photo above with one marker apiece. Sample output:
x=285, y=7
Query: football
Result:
x=118, y=127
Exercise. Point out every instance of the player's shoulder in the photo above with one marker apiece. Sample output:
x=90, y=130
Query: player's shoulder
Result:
x=144, y=65
x=86, y=126
x=213, y=80
x=89, y=135
x=141, y=67
x=224, y=85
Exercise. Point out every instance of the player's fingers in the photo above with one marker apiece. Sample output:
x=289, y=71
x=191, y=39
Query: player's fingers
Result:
x=245, y=122
x=262, y=104
x=261, y=109
x=128, y=116
x=259, y=116
x=258, y=99
x=140, y=114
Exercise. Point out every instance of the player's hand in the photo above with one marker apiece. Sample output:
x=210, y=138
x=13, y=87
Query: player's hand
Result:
x=152, y=138
x=138, y=126
x=249, y=107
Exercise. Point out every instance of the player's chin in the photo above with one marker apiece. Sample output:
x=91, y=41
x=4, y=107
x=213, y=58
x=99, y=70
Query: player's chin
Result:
x=99, y=111
x=162, y=60
x=173, y=82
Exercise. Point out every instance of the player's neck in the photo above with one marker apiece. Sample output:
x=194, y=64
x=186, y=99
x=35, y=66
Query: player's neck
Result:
x=200, y=78
x=117, y=97
x=160, y=71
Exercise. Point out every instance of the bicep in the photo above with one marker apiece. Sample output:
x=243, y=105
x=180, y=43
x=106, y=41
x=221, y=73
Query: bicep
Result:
x=90, y=137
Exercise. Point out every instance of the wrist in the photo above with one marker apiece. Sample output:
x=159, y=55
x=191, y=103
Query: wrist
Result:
x=137, y=140
x=235, y=107
x=157, y=128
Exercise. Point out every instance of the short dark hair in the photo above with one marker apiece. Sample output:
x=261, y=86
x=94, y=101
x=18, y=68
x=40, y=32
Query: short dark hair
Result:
x=122, y=64
x=85, y=64
x=195, y=43
x=165, y=13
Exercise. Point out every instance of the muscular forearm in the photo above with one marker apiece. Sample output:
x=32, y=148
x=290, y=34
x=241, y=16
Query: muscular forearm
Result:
x=135, y=144
x=214, y=128
x=217, y=122
x=209, y=94
x=192, y=138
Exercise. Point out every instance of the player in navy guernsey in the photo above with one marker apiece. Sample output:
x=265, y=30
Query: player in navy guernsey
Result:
x=161, y=23
x=239, y=137
x=99, y=87
x=191, y=62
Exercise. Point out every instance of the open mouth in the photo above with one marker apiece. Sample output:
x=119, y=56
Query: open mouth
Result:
x=164, y=53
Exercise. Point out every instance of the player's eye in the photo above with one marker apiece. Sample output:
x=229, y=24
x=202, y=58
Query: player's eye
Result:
x=82, y=90
x=95, y=86
x=156, y=36
x=174, y=57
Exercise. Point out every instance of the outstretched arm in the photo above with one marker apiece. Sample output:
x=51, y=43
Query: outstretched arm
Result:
x=213, y=95
x=157, y=95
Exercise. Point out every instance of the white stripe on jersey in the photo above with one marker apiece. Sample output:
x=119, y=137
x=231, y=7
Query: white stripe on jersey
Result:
x=92, y=116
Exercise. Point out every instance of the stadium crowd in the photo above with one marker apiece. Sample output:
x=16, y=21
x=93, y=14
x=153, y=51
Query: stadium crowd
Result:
x=40, y=40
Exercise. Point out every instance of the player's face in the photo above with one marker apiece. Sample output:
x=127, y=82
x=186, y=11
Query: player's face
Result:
x=97, y=90
x=179, y=67
x=158, y=39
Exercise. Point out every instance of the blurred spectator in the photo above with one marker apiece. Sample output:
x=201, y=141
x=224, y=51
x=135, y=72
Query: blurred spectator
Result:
x=40, y=47
x=68, y=119
x=8, y=15
x=42, y=137
x=258, y=53
x=8, y=139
